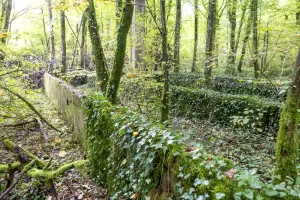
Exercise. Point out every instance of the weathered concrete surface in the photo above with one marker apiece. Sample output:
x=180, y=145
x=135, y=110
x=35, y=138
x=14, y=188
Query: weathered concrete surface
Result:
x=67, y=100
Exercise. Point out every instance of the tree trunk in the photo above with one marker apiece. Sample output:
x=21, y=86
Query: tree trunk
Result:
x=254, y=9
x=210, y=37
x=63, y=41
x=263, y=63
x=3, y=12
x=165, y=95
x=119, y=6
x=83, y=41
x=237, y=42
x=99, y=57
x=195, y=36
x=245, y=41
x=177, y=37
x=6, y=20
x=52, y=47
x=287, y=143
x=298, y=13
x=116, y=73
x=138, y=34
x=230, y=69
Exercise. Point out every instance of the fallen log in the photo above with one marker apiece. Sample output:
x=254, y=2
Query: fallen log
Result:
x=9, y=167
x=25, y=169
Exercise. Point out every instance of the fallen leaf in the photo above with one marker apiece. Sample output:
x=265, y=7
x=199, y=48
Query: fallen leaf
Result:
x=62, y=154
x=134, y=196
x=57, y=140
x=135, y=134
x=230, y=173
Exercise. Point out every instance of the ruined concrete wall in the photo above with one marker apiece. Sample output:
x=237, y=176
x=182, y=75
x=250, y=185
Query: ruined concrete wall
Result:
x=67, y=100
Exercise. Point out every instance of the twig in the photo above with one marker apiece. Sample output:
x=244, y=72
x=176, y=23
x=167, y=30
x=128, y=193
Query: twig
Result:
x=19, y=124
x=17, y=70
x=32, y=108
x=8, y=190
x=151, y=13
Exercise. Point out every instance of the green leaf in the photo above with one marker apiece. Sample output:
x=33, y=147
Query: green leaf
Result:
x=248, y=193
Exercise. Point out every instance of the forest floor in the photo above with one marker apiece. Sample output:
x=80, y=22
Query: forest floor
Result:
x=245, y=148
x=45, y=143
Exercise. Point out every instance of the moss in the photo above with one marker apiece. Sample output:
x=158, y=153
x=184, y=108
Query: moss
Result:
x=7, y=167
x=225, y=186
x=48, y=175
x=287, y=140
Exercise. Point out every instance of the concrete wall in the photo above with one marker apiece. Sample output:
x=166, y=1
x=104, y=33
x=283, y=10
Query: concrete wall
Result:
x=67, y=100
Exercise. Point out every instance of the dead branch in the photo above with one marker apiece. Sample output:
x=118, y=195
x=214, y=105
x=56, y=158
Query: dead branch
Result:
x=31, y=107
x=25, y=169
x=23, y=154
x=19, y=124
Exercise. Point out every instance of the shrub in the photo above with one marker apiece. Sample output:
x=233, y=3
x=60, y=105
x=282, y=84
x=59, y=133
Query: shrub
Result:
x=238, y=110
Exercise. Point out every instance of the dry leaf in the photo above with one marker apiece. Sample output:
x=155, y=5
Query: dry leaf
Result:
x=230, y=173
x=62, y=154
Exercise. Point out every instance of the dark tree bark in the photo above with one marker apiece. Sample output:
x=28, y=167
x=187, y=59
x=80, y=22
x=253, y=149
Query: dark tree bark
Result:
x=116, y=73
x=231, y=10
x=138, y=34
x=287, y=142
x=165, y=95
x=83, y=41
x=177, y=37
x=210, y=37
x=51, y=43
x=7, y=18
x=254, y=10
x=245, y=41
x=99, y=57
x=195, y=36
x=63, y=41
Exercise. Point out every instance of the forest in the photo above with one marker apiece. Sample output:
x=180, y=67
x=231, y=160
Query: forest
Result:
x=149, y=99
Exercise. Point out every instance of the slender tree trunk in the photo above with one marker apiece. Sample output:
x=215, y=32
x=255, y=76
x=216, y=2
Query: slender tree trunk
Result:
x=63, y=42
x=195, y=36
x=116, y=73
x=165, y=95
x=287, y=142
x=83, y=41
x=237, y=42
x=52, y=46
x=245, y=41
x=7, y=19
x=3, y=12
x=177, y=37
x=230, y=69
x=263, y=63
x=298, y=13
x=138, y=34
x=45, y=35
x=99, y=57
x=210, y=37
x=119, y=6
x=254, y=9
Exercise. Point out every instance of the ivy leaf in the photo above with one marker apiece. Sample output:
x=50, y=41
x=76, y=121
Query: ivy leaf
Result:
x=248, y=193
x=220, y=195
x=271, y=193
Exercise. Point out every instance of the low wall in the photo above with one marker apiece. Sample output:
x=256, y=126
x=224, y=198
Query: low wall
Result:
x=67, y=100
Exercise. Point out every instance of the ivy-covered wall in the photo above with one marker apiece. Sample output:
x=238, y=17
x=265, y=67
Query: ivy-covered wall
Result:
x=138, y=159
x=237, y=110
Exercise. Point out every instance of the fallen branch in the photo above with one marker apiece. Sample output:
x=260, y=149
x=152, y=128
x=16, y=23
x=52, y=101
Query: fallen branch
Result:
x=32, y=108
x=47, y=175
x=24, y=155
x=19, y=124
x=8, y=167
x=25, y=169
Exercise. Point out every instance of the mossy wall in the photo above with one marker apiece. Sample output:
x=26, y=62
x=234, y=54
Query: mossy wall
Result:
x=67, y=100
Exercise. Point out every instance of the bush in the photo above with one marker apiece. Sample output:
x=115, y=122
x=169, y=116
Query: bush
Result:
x=135, y=158
x=238, y=110
x=262, y=88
